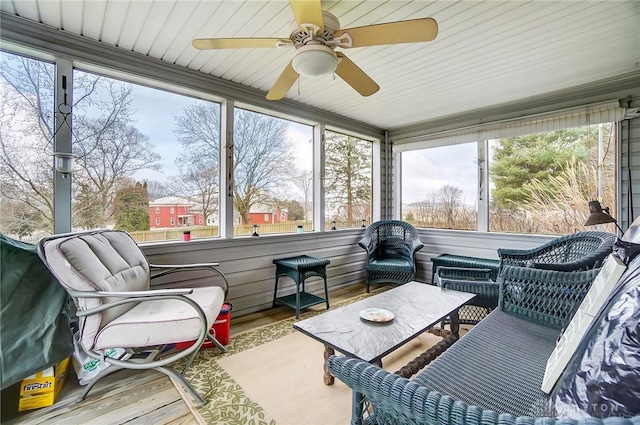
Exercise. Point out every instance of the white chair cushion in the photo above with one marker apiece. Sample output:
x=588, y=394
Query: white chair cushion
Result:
x=161, y=322
x=100, y=261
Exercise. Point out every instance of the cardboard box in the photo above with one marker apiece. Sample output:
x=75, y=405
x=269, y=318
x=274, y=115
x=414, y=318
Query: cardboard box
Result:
x=42, y=389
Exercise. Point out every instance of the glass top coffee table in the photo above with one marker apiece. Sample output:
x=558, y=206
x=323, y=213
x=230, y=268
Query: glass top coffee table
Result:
x=415, y=308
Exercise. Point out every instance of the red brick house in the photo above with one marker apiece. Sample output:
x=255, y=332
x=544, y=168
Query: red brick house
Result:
x=264, y=214
x=173, y=211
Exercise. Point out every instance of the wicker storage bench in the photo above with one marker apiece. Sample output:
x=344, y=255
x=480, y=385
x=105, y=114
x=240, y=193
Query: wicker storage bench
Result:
x=450, y=260
x=492, y=375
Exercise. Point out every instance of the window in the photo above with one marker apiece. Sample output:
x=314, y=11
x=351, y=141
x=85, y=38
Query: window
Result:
x=440, y=186
x=541, y=183
x=26, y=138
x=172, y=221
x=273, y=160
x=137, y=144
x=347, y=180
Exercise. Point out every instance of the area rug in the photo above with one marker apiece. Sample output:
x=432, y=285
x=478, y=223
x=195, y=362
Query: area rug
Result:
x=273, y=375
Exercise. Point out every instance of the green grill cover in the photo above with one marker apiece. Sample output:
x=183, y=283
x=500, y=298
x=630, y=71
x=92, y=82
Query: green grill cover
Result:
x=35, y=332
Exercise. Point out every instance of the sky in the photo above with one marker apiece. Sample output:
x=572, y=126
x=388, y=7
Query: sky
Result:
x=426, y=171
x=155, y=117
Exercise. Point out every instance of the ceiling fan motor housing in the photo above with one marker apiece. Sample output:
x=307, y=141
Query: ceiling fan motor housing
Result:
x=314, y=57
x=305, y=33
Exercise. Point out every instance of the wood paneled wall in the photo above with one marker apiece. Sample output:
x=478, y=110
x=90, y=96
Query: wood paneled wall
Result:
x=247, y=262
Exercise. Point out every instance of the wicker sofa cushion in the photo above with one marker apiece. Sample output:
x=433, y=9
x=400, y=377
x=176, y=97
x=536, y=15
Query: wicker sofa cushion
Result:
x=499, y=366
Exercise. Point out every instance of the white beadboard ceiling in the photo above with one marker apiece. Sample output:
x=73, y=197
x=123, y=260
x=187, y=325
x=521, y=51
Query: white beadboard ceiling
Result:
x=486, y=52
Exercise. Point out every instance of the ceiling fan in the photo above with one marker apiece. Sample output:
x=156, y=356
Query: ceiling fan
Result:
x=315, y=34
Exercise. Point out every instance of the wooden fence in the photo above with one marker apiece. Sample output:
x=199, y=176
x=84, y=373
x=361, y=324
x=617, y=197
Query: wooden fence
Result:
x=197, y=232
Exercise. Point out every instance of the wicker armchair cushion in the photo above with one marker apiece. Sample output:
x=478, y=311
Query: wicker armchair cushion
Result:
x=515, y=347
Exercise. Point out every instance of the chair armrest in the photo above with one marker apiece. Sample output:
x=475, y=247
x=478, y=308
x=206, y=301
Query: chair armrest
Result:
x=569, y=266
x=526, y=258
x=166, y=269
x=365, y=243
x=543, y=296
x=129, y=294
x=417, y=245
x=125, y=299
x=182, y=266
x=487, y=292
x=580, y=251
x=515, y=253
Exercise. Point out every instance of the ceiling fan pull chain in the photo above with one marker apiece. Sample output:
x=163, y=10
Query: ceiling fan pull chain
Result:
x=298, y=86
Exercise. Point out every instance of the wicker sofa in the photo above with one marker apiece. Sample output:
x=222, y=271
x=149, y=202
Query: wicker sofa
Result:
x=492, y=375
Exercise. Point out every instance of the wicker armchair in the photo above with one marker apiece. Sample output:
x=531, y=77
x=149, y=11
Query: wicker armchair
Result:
x=391, y=246
x=578, y=251
x=490, y=376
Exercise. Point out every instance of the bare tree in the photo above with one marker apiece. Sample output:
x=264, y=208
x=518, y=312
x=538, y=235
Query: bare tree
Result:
x=198, y=130
x=449, y=200
x=108, y=147
x=156, y=189
x=261, y=153
x=111, y=152
x=26, y=129
x=262, y=158
x=425, y=211
x=197, y=180
x=303, y=180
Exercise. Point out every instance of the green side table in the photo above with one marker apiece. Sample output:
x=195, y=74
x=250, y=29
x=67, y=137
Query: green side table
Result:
x=299, y=269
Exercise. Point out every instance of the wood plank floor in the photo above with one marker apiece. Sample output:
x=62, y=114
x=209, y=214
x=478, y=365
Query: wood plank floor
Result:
x=136, y=397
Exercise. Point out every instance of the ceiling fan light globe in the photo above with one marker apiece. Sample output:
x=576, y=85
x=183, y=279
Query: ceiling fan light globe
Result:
x=314, y=61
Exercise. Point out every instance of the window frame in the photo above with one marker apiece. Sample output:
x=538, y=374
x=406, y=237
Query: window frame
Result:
x=376, y=176
x=483, y=170
x=65, y=67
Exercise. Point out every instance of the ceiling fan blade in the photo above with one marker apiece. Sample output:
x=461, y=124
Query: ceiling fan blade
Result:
x=235, y=43
x=308, y=12
x=413, y=31
x=283, y=83
x=355, y=77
